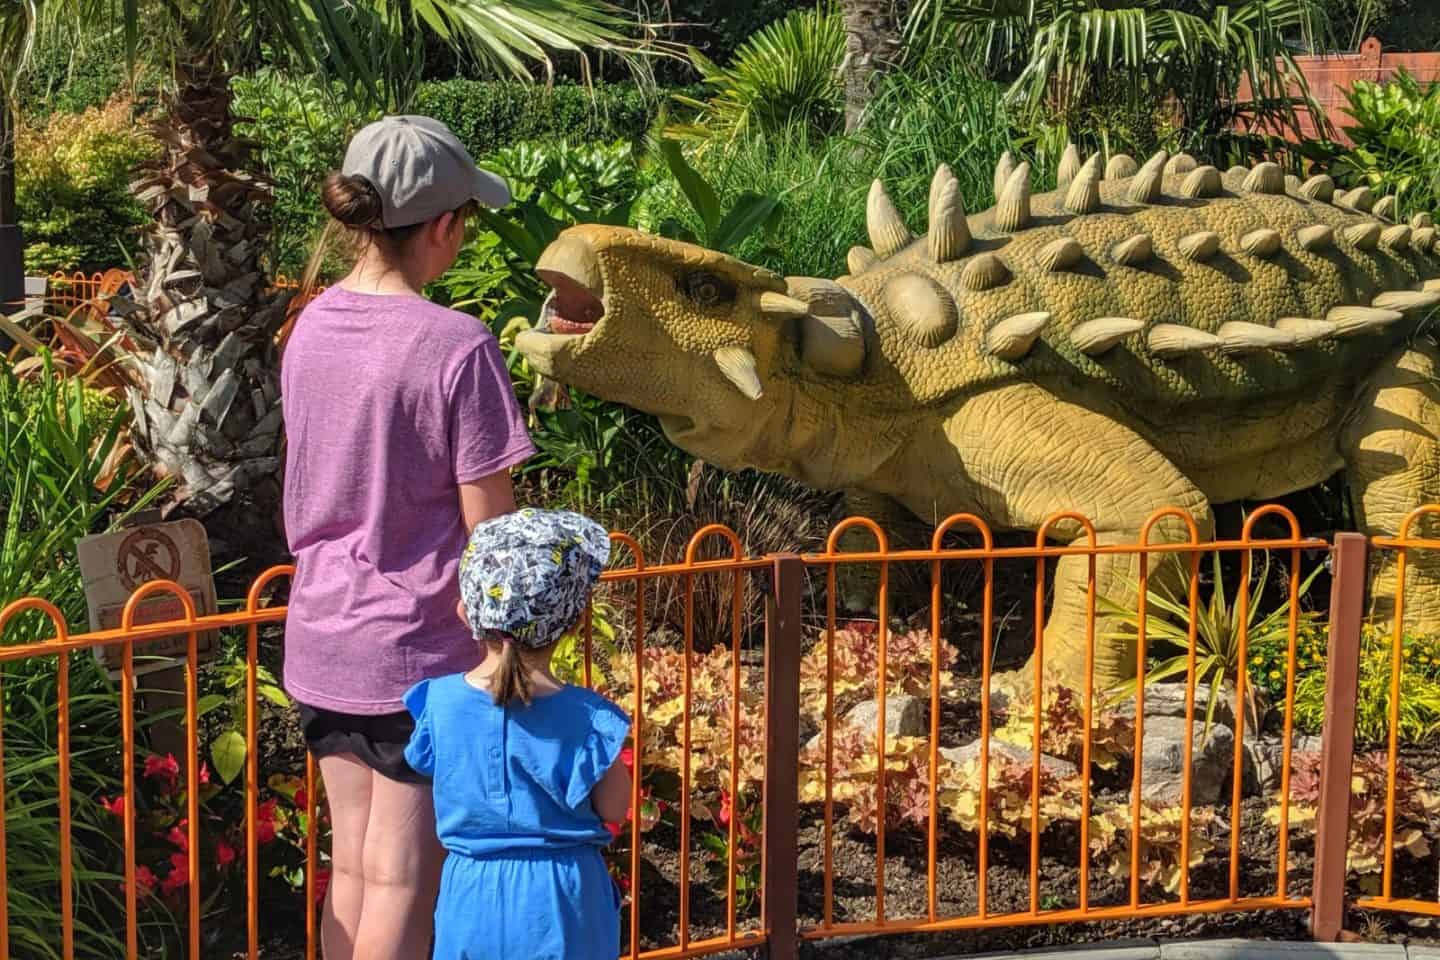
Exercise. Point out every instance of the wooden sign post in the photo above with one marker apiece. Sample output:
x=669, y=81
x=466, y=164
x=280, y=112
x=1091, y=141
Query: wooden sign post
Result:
x=113, y=566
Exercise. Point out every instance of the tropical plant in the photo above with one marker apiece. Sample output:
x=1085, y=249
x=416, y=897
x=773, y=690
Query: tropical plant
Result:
x=785, y=73
x=1217, y=626
x=1396, y=138
x=1202, y=53
x=719, y=228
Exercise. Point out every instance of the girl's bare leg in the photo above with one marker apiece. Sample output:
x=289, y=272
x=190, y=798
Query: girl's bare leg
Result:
x=347, y=791
x=401, y=863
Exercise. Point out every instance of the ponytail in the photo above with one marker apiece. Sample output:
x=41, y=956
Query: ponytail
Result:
x=510, y=680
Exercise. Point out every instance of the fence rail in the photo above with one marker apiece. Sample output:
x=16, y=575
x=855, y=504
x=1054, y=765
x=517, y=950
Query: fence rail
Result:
x=716, y=729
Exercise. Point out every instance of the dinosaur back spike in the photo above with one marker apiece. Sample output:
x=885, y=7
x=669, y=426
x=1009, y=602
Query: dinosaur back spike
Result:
x=888, y=232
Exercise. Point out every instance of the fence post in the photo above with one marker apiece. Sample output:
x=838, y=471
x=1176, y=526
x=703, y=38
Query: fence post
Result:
x=1337, y=743
x=781, y=854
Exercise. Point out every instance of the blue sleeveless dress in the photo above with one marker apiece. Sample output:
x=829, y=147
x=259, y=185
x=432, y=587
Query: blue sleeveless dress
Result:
x=524, y=878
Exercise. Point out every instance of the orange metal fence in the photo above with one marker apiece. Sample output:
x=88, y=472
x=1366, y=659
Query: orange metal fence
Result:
x=710, y=722
x=69, y=290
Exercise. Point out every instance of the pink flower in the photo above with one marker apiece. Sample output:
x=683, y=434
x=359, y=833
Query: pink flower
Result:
x=204, y=774
x=145, y=881
x=724, y=816
x=224, y=854
x=179, y=836
x=166, y=768
x=115, y=805
x=615, y=829
x=179, y=876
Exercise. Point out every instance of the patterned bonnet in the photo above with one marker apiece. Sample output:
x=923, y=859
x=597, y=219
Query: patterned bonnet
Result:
x=529, y=573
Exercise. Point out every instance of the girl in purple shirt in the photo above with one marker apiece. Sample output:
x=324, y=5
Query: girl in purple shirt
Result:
x=401, y=428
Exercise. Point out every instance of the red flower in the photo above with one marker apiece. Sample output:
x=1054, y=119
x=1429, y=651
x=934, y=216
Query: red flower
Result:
x=224, y=854
x=300, y=798
x=615, y=829
x=166, y=768
x=179, y=874
x=322, y=883
x=115, y=805
x=204, y=774
x=265, y=821
x=724, y=816
x=145, y=881
x=627, y=757
x=180, y=837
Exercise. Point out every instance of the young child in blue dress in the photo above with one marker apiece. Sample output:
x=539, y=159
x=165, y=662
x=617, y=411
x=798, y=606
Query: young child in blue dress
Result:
x=523, y=766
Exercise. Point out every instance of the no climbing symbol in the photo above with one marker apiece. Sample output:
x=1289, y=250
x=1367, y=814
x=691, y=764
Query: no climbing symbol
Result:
x=147, y=555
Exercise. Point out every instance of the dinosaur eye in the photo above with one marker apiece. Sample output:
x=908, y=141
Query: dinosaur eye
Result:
x=707, y=289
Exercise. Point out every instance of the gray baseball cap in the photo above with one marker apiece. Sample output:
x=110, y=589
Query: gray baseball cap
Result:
x=420, y=170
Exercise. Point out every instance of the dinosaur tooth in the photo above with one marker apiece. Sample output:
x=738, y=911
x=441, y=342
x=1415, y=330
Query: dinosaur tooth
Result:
x=860, y=259
x=775, y=304
x=1060, y=254
x=1422, y=220
x=1317, y=236
x=1084, y=193
x=1352, y=320
x=1012, y=338
x=1264, y=243
x=984, y=272
x=1145, y=188
x=1069, y=167
x=1181, y=163
x=888, y=232
x=738, y=365
x=1396, y=237
x=1133, y=251
x=1423, y=239
x=1306, y=330
x=1406, y=300
x=1202, y=182
x=949, y=236
x=1359, y=200
x=922, y=308
x=1241, y=337
x=1121, y=165
x=1199, y=246
x=1012, y=206
x=1266, y=177
x=1319, y=187
x=1003, y=169
x=1363, y=236
x=1385, y=207
x=1173, y=340
x=1094, y=337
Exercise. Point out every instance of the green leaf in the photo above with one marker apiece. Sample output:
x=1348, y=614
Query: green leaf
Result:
x=700, y=194
x=228, y=754
x=274, y=694
x=207, y=703
x=750, y=212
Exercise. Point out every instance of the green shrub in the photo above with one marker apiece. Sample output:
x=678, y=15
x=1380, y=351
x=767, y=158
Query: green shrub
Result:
x=1396, y=141
x=1419, y=689
x=490, y=115
x=302, y=128
x=73, y=68
x=72, y=186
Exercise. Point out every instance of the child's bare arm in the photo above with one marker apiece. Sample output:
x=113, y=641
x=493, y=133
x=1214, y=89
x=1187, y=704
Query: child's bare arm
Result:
x=611, y=796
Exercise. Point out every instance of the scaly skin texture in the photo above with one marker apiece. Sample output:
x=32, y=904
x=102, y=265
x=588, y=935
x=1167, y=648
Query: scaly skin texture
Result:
x=963, y=371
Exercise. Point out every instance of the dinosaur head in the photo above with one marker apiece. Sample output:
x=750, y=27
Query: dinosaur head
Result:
x=709, y=344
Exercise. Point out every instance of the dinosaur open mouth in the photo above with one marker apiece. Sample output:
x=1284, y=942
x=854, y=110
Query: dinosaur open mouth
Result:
x=573, y=306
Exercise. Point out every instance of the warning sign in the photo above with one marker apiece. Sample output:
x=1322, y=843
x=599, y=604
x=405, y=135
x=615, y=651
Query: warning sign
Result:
x=115, y=565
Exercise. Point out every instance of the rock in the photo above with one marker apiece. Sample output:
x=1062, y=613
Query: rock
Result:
x=1168, y=700
x=1264, y=757
x=1002, y=748
x=1164, y=760
x=905, y=716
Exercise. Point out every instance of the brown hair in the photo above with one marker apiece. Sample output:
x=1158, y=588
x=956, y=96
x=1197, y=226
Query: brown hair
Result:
x=511, y=679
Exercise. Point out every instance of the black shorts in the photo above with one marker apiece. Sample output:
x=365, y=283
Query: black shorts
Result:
x=377, y=741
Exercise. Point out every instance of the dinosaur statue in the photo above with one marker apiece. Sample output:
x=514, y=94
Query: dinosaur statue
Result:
x=1151, y=336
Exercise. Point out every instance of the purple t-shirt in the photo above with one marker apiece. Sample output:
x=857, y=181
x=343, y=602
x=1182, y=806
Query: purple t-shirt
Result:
x=390, y=403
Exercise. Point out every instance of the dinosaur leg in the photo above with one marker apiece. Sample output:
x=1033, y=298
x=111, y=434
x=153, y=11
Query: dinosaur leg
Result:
x=1029, y=456
x=857, y=583
x=1391, y=447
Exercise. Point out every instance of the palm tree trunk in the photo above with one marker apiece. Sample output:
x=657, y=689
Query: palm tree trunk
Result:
x=872, y=47
x=207, y=407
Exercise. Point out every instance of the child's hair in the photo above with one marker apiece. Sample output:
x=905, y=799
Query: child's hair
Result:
x=511, y=679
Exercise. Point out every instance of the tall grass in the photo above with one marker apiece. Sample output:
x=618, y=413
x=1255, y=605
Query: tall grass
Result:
x=936, y=113
x=58, y=482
